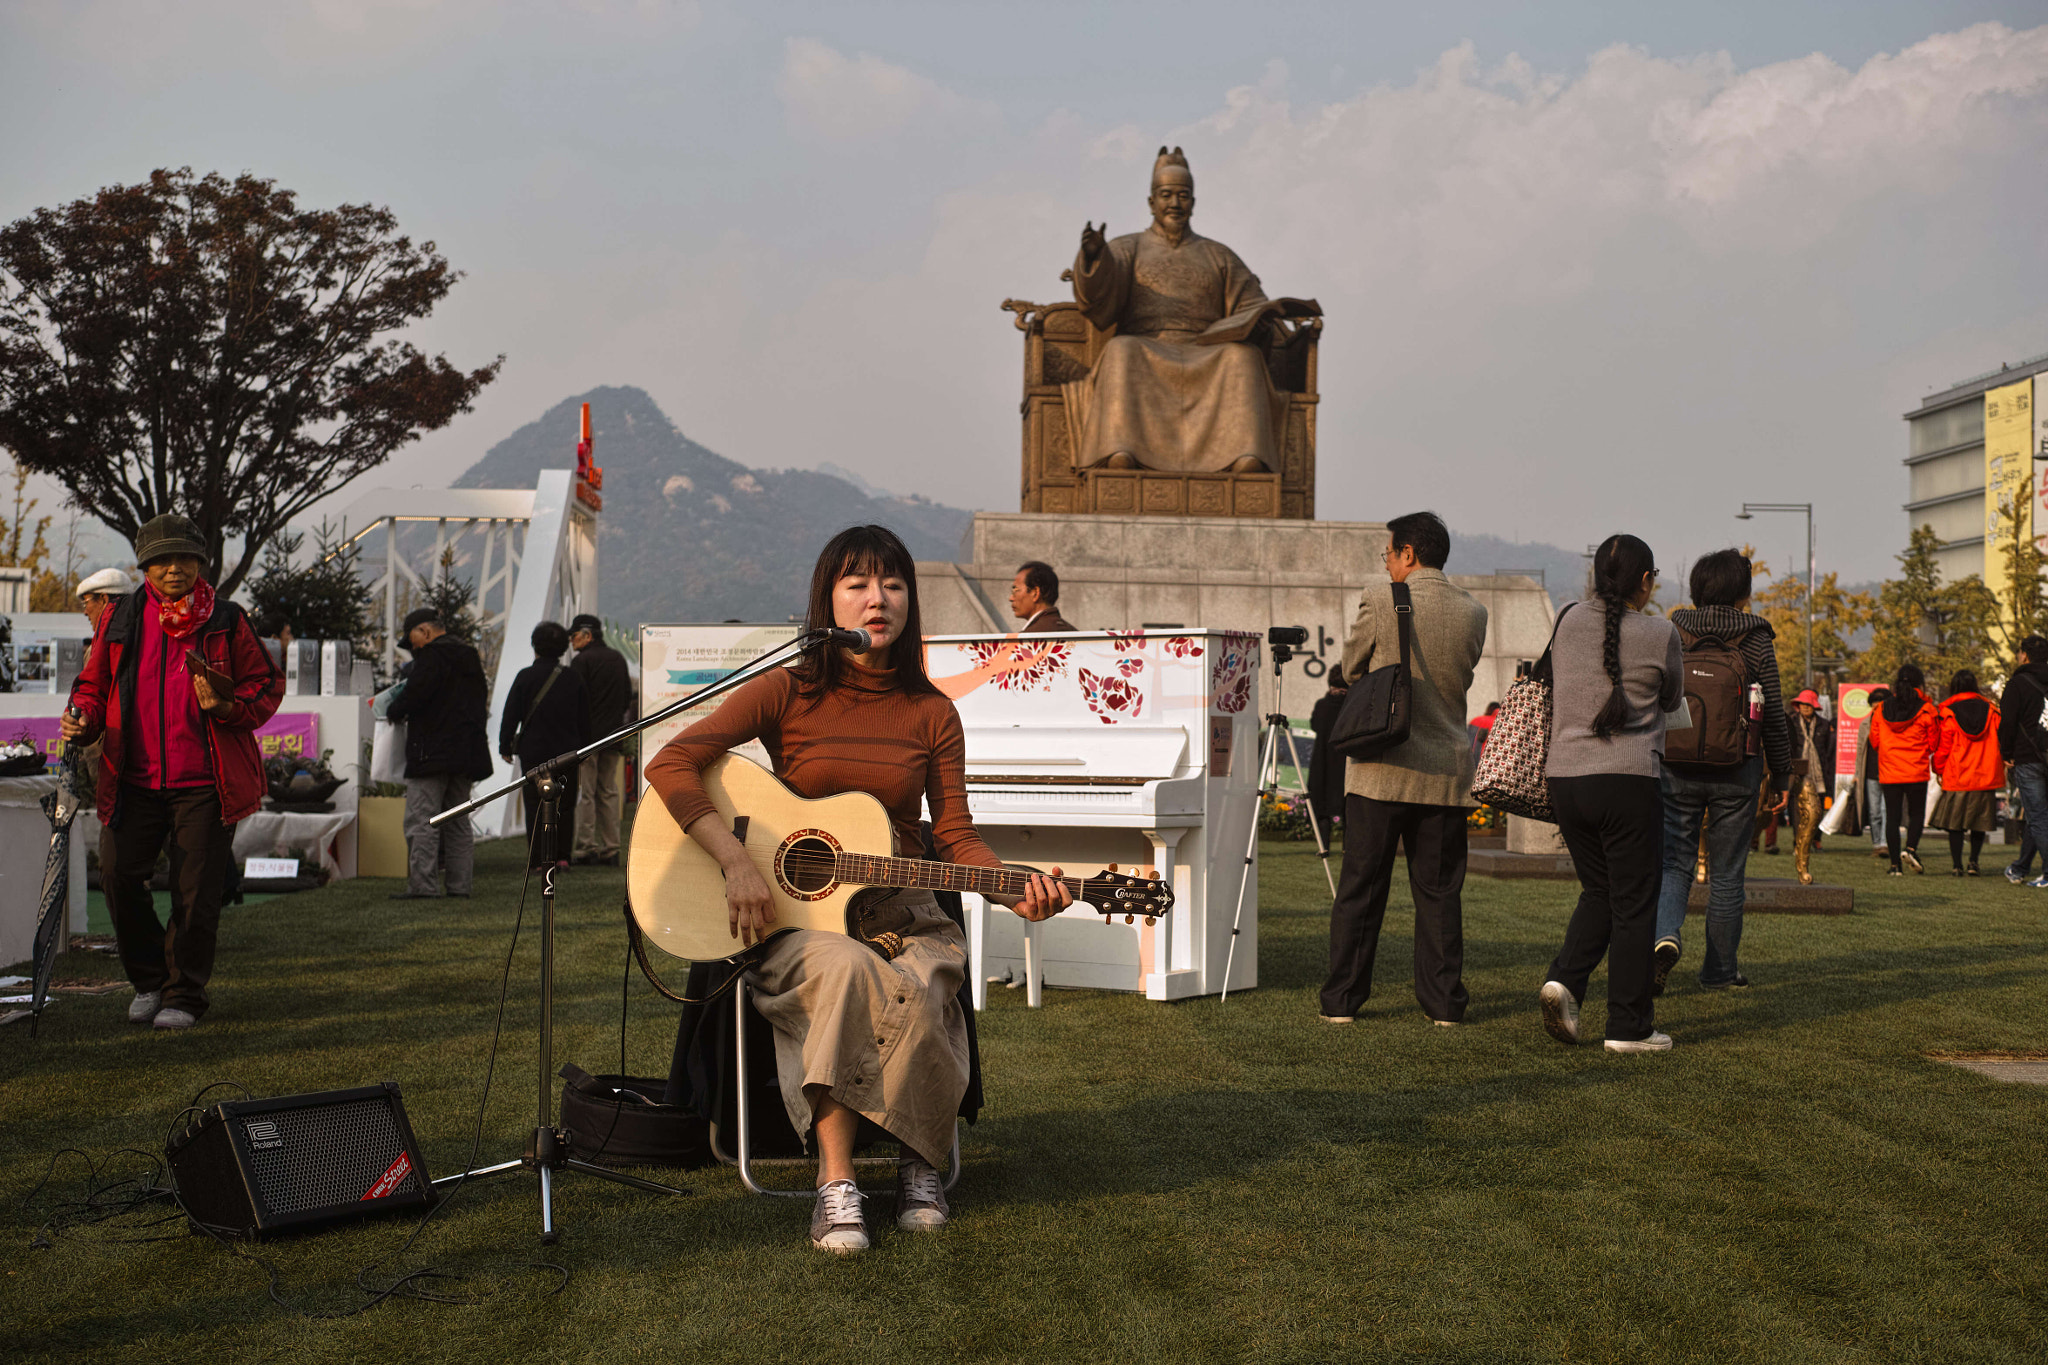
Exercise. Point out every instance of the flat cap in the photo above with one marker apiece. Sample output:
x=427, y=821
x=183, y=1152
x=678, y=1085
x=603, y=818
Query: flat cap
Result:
x=114, y=582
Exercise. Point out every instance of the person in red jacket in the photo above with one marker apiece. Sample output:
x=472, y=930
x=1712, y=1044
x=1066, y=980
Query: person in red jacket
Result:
x=177, y=682
x=1967, y=761
x=1903, y=731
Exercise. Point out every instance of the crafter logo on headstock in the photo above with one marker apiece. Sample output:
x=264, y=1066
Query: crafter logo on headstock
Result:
x=263, y=1136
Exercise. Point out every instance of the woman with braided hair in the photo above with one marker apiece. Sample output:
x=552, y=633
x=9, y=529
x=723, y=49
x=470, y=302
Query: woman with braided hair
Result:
x=1614, y=674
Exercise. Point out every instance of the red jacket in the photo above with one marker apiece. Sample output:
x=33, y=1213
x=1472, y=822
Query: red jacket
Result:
x=1966, y=756
x=106, y=693
x=1905, y=749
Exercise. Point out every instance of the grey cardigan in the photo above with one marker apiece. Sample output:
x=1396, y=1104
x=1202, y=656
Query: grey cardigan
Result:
x=1434, y=767
x=1652, y=678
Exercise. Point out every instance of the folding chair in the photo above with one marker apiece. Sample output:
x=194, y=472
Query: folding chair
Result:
x=745, y=1159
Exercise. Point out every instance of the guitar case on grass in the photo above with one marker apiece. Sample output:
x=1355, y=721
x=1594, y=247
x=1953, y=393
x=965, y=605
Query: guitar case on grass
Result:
x=621, y=1121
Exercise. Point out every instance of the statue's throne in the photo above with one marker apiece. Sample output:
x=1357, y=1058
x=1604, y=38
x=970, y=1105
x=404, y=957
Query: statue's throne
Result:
x=1061, y=345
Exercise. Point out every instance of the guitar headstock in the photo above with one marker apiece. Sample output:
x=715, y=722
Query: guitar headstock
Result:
x=1114, y=892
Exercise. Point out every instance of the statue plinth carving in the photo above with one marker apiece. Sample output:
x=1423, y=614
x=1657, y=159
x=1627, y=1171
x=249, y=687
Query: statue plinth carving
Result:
x=1171, y=385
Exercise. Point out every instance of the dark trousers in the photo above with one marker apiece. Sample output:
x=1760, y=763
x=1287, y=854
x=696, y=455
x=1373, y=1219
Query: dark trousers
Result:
x=1614, y=826
x=1905, y=803
x=1435, y=841
x=539, y=851
x=175, y=958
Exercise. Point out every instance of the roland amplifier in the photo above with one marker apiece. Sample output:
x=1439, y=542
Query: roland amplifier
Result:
x=247, y=1168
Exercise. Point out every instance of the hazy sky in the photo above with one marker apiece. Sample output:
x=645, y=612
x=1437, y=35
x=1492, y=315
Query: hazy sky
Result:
x=1587, y=267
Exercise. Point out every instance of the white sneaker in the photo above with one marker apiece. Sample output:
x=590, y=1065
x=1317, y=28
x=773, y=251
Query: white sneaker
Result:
x=1656, y=1042
x=174, y=1019
x=837, y=1224
x=1560, y=1012
x=143, y=1007
x=920, y=1196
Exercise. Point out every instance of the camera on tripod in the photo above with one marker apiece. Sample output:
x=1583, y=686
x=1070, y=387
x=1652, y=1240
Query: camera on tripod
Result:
x=1285, y=640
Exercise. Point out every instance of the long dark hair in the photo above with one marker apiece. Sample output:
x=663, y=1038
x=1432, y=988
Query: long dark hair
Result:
x=1618, y=568
x=1908, y=687
x=862, y=550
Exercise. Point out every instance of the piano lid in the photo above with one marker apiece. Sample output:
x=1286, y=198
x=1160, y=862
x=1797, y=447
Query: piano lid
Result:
x=1054, y=754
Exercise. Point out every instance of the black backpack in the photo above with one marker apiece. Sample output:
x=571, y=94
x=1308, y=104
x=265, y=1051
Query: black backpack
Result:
x=1378, y=706
x=1717, y=699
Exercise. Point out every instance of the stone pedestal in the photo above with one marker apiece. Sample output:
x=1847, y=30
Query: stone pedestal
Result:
x=1228, y=573
x=1535, y=836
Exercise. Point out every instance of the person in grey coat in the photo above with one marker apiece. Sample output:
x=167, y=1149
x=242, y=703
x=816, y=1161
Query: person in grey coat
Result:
x=1417, y=794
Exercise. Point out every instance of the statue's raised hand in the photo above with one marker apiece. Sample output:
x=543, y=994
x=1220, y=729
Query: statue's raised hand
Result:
x=1094, y=241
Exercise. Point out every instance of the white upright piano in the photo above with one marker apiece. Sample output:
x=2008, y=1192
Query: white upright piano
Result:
x=1138, y=748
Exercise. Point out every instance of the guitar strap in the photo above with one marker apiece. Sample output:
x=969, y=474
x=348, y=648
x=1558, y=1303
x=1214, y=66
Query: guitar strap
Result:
x=639, y=946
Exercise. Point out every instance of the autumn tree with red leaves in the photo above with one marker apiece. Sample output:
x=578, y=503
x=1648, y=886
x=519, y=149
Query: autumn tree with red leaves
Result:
x=202, y=345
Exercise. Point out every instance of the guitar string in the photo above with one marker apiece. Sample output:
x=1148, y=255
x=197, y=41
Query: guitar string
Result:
x=804, y=860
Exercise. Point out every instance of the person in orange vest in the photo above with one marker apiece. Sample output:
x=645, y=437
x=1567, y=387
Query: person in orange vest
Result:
x=1903, y=731
x=1967, y=761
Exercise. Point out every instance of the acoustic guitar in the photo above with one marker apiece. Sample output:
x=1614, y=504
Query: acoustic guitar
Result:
x=816, y=856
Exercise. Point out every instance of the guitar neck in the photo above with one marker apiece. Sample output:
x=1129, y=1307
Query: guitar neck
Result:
x=868, y=870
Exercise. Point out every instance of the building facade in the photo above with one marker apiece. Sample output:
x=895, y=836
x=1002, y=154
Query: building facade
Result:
x=1948, y=465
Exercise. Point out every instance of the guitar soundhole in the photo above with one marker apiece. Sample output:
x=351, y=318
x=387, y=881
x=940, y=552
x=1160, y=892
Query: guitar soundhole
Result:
x=807, y=866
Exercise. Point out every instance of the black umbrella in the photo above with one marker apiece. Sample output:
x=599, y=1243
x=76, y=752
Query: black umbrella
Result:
x=61, y=806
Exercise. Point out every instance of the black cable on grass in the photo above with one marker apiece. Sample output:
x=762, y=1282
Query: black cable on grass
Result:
x=100, y=1205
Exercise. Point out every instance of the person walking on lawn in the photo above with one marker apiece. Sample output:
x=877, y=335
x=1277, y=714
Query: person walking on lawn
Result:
x=1614, y=673
x=446, y=706
x=1903, y=731
x=1967, y=761
x=608, y=699
x=546, y=716
x=1416, y=795
x=2023, y=742
x=177, y=683
x=1728, y=794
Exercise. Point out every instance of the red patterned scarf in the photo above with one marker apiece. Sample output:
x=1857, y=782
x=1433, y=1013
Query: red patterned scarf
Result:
x=186, y=615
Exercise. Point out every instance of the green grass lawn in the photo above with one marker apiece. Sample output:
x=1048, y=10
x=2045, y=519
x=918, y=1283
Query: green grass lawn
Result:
x=1796, y=1181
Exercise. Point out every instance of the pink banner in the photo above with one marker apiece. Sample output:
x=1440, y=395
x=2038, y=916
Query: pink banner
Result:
x=292, y=734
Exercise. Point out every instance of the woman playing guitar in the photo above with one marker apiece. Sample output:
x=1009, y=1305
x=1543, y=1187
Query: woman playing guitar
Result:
x=857, y=1035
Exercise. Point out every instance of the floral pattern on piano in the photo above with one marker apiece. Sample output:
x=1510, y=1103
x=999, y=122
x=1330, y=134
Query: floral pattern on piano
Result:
x=1111, y=698
x=1184, y=647
x=1030, y=667
x=1127, y=639
x=1230, y=676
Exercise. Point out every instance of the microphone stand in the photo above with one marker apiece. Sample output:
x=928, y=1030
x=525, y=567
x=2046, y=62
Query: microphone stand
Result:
x=547, y=1147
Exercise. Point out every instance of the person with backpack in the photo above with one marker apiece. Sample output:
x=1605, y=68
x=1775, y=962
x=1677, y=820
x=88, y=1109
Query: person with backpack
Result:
x=1614, y=674
x=1972, y=772
x=1739, y=736
x=2024, y=743
x=1903, y=732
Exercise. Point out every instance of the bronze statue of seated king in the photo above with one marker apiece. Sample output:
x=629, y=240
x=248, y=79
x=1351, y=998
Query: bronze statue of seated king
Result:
x=1171, y=384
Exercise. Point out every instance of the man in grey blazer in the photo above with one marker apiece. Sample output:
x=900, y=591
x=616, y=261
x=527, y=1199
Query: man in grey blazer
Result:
x=1416, y=794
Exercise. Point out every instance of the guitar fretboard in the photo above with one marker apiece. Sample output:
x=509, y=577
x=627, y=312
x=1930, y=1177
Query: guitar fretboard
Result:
x=868, y=870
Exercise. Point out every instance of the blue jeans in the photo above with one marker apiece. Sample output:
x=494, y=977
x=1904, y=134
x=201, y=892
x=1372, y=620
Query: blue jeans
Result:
x=2031, y=781
x=1729, y=804
x=1873, y=798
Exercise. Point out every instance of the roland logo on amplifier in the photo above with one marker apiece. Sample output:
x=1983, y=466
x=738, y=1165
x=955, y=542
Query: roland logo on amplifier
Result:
x=263, y=1136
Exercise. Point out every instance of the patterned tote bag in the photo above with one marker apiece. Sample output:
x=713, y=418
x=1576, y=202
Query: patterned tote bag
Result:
x=1510, y=773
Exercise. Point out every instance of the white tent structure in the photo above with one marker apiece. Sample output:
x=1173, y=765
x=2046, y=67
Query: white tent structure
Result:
x=539, y=563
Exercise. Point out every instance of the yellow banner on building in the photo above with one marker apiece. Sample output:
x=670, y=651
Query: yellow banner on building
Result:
x=2008, y=478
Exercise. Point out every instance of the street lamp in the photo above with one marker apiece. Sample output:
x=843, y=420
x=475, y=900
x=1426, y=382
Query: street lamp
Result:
x=1748, y=510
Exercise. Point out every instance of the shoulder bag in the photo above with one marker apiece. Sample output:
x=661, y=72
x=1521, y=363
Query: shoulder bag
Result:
x=1510, y=773
x=1377, y=707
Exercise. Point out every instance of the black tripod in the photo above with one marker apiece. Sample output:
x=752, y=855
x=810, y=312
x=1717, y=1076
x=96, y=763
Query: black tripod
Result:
x=547, y=1147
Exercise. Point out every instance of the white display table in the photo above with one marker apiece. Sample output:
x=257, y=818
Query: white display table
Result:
x=24, y=846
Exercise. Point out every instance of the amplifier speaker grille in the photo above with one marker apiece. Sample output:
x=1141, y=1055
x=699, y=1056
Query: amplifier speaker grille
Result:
x=254, y=1166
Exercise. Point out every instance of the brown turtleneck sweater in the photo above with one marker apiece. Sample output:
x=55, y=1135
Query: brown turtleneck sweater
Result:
x=864, y=735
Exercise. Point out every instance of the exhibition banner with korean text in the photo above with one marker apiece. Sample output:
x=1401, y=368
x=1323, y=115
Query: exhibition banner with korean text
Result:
x=2008, y=475
x=291, y=734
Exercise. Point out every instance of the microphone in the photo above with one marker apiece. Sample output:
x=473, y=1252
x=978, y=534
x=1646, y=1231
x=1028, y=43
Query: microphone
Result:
x=849, y=639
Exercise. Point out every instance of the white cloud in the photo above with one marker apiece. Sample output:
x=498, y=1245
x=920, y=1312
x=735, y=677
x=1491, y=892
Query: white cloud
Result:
x=836, y=98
